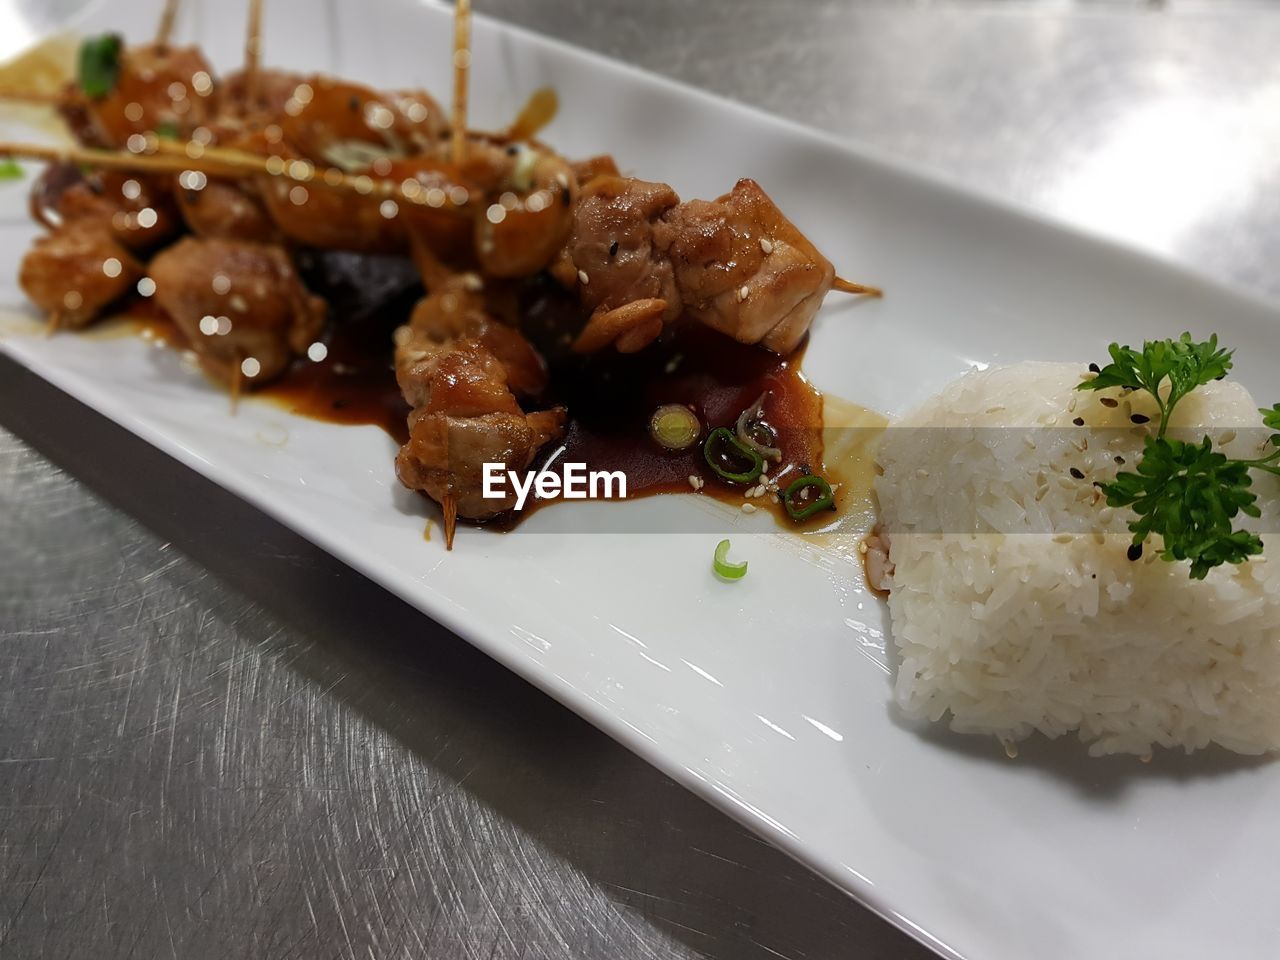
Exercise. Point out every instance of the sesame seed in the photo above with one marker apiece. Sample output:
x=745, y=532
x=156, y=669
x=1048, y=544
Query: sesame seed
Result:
x=693, y=481
x=613, y=249
x=1109, y=402
x=1075, y=472
x=742, y=293
x=1078, y=421
x=1139, y=418
x=1134, y=552
x=748, y=508
x=583, y=278
x=765, y=246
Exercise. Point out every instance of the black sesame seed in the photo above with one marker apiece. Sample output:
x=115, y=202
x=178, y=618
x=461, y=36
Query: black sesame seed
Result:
x=512, y=150
x=1120, y=460
x=1094, y=368
x=613, y=249
x=354, y=104
x=1078, y=421
x=1076, y=473
x=1135, y=551
x=1109, y=401
x=565, y=198
x=1093, y=576
x=1140, y=418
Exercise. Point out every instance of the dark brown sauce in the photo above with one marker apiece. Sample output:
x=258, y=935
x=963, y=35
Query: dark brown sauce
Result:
x=611, y=398
x=355, y=383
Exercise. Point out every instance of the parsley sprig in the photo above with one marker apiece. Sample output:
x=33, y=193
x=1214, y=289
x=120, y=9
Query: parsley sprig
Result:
x=1188, y=494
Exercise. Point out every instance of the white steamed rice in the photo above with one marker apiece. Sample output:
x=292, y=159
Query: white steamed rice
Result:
x=1029, y=628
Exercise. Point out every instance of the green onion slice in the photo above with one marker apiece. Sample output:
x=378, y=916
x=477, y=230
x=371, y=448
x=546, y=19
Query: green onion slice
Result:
x=674, y=426
x=99, y=64
x=722, y=566
x=806, y=496
x=730, y=458
x=9, y=169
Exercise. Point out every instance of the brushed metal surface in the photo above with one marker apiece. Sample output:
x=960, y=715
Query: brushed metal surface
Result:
x=216, y=741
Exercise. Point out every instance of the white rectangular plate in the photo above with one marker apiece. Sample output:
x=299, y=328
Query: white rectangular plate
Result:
x=770, y=698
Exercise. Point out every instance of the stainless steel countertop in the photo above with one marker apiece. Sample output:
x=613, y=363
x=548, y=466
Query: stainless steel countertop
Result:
x=216, y=741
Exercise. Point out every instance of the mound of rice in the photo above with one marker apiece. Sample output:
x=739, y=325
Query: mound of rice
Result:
x=1014, y=605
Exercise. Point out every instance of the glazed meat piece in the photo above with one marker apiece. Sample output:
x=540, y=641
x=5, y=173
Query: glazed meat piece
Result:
x=145, y=215
x=743, y=269
x=76, y=271
x=624, y=279
x=275, y=87
x=441, y=319
x=161, y=89
x=226, y=209
x=639, y=258
x=601, y=165
x=237, y=302
x=348, y=125
x=231, y=209
x=317, y=216
x=462, y=372
x=138, y=209
x=536, y=195
x=446, y=453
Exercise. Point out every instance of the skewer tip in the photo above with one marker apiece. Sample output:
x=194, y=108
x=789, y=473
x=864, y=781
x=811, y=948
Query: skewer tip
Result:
x=848, y=286
x=449, y=507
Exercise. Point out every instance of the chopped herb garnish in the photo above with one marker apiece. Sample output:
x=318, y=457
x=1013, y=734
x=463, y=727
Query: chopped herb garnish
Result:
x=806, y=496
x=10, y=169
x=99, y=64
x=1188, y=494
x=731, y=459
x=723, y=568
x=168, y=130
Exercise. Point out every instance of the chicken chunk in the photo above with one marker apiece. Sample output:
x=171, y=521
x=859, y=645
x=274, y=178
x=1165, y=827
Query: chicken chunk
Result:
x=743, y=268
x=76, y=271
x=639, y=258
x=163, y=89
x=237, y=302
x=466, y=415
x=441, y=319
x=614, y=261
x=446, y=454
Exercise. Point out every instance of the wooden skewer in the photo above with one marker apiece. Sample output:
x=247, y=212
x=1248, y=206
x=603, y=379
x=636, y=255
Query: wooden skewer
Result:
x=848, y=286
x=253, y=54
x=114, y=159
x=171, y=156
x=37, y=98
x=165, y=31
x=461, y=71
x=449, y=507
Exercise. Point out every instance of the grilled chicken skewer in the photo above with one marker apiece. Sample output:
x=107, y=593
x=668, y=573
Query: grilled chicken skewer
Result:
x=464, y=374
